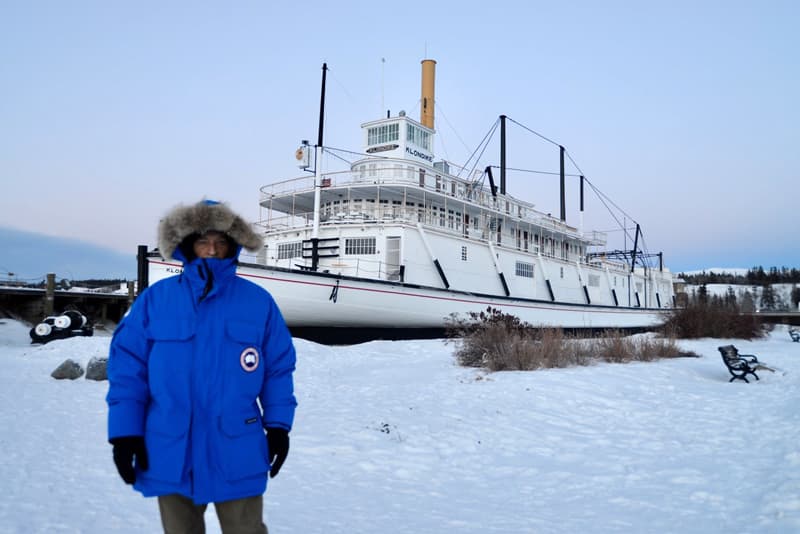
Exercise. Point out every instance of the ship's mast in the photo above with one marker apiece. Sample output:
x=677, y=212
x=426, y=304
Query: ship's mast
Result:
x=318, y=175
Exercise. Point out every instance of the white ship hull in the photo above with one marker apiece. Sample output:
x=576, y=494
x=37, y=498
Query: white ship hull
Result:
x=323, y=300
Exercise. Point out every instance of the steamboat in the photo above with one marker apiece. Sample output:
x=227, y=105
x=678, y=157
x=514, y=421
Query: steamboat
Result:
x=401, y=241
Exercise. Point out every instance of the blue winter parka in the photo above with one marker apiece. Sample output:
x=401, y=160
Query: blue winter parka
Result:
x=200, y=366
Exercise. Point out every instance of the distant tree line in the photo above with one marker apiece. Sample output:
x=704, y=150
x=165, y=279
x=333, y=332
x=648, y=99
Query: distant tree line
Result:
x=754, y=276
x=764, y=298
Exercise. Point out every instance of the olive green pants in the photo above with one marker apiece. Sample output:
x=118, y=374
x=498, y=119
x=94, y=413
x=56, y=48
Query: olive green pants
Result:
x=180, y=515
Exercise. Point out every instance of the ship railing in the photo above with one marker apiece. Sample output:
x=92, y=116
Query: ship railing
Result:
x=616, y=266
x=297, y=220
x=550, y=223
x=624, y=268
x=388, y=214
x=304, y=184
x=294, y=223
x=286, y=222
x=402, y=215
x=595, y=238
x=292, y=185
x=360, y=267
x=401, y=175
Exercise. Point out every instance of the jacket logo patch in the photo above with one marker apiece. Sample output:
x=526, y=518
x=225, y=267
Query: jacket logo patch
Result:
x=249, y=359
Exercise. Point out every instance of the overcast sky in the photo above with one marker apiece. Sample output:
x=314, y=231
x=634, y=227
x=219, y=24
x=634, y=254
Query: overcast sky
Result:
x=684, y=113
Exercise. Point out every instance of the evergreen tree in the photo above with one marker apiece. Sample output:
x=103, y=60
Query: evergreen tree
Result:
x=748, y=303
x=702, y=294
x=767, y=297
x=773, y=277
x=730, y=298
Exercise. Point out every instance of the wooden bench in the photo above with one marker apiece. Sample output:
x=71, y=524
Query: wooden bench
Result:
x=739, y=365
x=794, y=334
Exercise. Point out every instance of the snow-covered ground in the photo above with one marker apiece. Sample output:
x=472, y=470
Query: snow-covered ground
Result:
x=393, y=437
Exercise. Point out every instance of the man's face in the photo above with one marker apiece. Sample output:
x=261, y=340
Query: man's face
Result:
x=212, y=244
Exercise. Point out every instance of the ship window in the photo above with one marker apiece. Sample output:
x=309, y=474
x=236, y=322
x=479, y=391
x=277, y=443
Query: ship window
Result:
x=290, y=250
x=383, y=134
x=524, y=269
x=463, y=253
x=359, y=245
x=419, y=137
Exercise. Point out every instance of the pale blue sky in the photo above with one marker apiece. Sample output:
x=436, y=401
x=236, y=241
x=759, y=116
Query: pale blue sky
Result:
x=685, y=113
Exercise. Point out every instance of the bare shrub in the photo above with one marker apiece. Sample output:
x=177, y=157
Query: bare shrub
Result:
x=615, y=347
x=491, y=339
x=713, y=318
x=665, y=347
x=500, y=342
x=551, y=348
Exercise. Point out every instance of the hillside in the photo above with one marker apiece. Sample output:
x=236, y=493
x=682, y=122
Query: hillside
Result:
x=29, y=256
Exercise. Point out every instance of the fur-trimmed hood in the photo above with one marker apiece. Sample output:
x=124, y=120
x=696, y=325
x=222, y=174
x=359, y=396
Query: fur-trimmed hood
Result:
x=183, y=221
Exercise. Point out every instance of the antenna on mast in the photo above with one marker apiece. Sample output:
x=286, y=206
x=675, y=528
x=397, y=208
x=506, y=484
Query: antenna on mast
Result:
x=383, y=107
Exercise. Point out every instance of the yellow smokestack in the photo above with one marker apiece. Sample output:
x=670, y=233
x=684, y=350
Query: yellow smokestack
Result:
x=428, y=79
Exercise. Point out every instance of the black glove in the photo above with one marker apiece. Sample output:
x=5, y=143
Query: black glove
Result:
x=125, y=449
x=278, y=445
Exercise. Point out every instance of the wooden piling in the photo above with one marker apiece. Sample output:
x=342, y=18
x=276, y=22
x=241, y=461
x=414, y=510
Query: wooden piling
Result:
x=50, y=294
x=142, y=266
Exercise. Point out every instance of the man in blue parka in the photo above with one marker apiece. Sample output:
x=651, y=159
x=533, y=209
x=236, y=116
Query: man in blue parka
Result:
x=199, y=369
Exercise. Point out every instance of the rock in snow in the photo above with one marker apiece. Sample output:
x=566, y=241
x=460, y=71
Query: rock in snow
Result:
x=68, y=369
